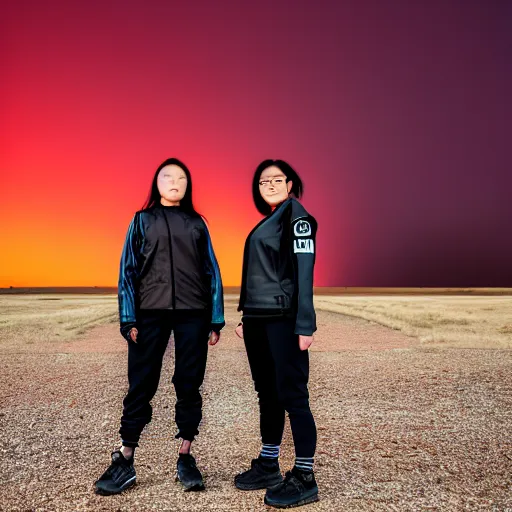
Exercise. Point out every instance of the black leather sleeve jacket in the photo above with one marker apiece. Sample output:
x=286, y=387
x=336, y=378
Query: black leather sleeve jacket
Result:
x=168, y=262
x=279, y=258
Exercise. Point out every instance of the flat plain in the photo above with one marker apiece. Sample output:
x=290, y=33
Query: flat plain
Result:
x=412, y=396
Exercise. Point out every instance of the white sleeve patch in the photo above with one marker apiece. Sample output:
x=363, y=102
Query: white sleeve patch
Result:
x=305, y=245
x=302, y=228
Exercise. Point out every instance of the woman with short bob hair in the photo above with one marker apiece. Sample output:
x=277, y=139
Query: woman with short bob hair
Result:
x=277, y=326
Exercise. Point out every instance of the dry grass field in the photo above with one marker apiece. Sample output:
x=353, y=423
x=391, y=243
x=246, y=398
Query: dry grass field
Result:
x=448, y=320
x=458, y=321
x=413, y=417
x=29, y=319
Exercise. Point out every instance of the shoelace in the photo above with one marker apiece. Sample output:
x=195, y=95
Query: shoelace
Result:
x=290, y=480
x=118, y=470
x=190, y=462
x=257, y=462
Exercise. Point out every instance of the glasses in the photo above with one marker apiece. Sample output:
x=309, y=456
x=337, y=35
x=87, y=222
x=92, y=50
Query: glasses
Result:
x=276, y=182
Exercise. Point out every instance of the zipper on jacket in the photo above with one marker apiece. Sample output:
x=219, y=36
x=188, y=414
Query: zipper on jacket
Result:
x=243, y=288
x=173, y=287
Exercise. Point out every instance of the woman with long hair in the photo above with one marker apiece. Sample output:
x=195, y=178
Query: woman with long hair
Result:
x=277, y=326
x=169, y=281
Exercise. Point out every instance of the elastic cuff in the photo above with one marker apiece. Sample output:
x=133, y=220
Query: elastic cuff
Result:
x=186, y=436
x=129, y=444
x=304, y=332
x=125, y=330
x=217, y=327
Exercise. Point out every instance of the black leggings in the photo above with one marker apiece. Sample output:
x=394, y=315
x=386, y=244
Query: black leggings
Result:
x=280, y=371
x=191, y=330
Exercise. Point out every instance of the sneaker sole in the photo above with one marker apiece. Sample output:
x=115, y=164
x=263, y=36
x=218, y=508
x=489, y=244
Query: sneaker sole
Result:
x=194, y=488
x=249, y=487
x=199, y=486
x=105, y=492
x=305, y=501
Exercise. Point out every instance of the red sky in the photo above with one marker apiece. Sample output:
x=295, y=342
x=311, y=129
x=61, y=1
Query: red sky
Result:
x=396, y=116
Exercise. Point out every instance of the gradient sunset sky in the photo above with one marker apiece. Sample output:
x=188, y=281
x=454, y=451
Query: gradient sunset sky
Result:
x=397, y=115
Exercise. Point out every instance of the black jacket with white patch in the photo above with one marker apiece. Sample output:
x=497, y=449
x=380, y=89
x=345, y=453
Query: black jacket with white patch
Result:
x=277, y=275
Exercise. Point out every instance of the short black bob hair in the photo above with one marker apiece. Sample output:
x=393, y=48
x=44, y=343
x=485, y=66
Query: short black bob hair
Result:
x=288, y=171
x=186, y=203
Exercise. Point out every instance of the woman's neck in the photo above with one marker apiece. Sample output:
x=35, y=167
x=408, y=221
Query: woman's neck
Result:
x=165, y=202
x=272, y=208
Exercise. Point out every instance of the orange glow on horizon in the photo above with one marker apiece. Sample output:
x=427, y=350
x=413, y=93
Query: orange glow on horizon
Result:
x=61, y=239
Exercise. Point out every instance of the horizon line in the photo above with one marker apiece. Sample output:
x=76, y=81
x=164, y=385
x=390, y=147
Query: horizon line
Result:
x=321, y=290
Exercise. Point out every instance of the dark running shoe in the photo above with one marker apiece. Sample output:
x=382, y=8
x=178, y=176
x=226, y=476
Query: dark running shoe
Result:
x=119, y=476
x=298, y=488
x=188, y=474
x=264, y=473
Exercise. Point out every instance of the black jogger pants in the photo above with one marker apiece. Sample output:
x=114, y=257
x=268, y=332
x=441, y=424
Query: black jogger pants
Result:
x=191, y=330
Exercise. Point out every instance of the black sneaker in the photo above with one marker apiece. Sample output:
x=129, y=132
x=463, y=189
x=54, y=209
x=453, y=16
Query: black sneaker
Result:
x=264, y=473
x=119, y=476
x=188, y=474
x=298, y=488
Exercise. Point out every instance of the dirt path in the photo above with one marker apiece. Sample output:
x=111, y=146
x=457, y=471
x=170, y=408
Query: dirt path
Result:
x=400, y=426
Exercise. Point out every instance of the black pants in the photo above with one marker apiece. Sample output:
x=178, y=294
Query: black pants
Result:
x=191, y=330
x=280, y=371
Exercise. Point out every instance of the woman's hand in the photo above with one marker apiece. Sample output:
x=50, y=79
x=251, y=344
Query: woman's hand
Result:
x=214, y=338
x=240, y=330
x=133, y=334
x=305, y=341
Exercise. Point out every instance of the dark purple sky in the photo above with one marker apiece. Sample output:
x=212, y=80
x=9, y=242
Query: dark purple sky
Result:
x=396, y=114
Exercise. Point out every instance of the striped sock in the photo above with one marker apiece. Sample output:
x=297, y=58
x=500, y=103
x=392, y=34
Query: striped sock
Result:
x=270, y=451
x=304, y=463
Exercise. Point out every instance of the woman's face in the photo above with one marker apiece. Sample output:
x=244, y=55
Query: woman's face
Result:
x=273, y=186
x=172, y=184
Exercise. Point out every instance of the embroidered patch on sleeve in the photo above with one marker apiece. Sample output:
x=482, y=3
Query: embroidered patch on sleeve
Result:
x=304, y=245
x=302, y=228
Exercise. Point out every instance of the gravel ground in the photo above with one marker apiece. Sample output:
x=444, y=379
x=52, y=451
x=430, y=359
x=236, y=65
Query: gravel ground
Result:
x=400, y=426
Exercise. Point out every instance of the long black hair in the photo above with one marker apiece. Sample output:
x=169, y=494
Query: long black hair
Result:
x=154, y=195
x=291, y=175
